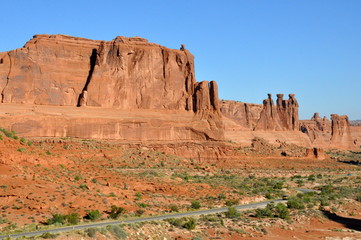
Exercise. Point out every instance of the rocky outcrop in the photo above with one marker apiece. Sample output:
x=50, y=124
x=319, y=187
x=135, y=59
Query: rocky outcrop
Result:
x=316, y=129
x=124, y=74
x=269, y=118
x=246, y=115
x=288, y=112
x=341, y=135
x=280, y=117
x=329, y=134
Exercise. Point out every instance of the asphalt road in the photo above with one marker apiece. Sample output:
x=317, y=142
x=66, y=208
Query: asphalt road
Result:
x=145, y=219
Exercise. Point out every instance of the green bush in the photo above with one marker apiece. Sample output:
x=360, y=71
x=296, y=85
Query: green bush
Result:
x=174, y=208
x=115, y=211
x=232, y=202
x=188, y=223
x=195, y=204
x=282, y=211
x=295, y=203
x=232, y=213
x=264, y=213
x=139, y=212
x=93, y=215
x=73, y=218
x=191, y=224
x=56, y=218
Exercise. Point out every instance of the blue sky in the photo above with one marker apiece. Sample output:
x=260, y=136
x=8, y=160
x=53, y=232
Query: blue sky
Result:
x=311, y=48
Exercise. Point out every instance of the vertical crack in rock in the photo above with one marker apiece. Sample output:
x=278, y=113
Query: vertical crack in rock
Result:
x=164, y=63
x=83, y=96
x=7, y=79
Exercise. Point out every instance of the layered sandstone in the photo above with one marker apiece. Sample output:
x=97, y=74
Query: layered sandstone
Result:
x=125, y=74
x=132, y=90
x=341, y=134
x=330, y=134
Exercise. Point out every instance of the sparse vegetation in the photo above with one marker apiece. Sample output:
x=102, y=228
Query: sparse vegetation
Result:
x=115, y=212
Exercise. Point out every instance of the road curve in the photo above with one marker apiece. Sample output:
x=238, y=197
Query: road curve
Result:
x=145, y=219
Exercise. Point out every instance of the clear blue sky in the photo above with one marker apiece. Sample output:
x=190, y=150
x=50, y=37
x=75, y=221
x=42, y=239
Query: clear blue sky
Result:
x=311, y=47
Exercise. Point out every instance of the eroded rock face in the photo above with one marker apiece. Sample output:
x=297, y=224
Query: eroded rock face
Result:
x=280, y=117
x=329, y=134
x=341, y=134
x=126, y=73
x=244, y=114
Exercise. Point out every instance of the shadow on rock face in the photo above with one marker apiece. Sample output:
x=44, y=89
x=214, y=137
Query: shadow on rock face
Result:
x=351, y=223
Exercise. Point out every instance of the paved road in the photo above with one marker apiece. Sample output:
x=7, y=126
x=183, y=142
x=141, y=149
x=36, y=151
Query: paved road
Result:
x=145, y=219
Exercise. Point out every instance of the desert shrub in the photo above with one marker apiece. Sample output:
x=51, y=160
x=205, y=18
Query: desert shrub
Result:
x=117, y=231
x=358, y=198
x=174, y=208
x=48, y=235
x=22, y=140
x=115, y=211
x=56, y=218
x=142, y=205
x=232, y=202
x=232, y=213
x=21, y=149
x=195, y=204
x=83, y=186
x=138, y=196
x=324, y=201
x=77, y=177
x=93, y=215
x=278, y=185
x=72, y=218
x=311, y=178
x=91, y=232
x=190, y=224
x=282, y=211
x=9, y=134
x=139, y=212
x=295, y=203
x=264, y=212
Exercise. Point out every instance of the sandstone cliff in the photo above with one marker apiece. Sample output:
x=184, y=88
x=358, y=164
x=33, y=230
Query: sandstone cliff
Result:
x=124, y=74
x=280, y=117
x=329, y=134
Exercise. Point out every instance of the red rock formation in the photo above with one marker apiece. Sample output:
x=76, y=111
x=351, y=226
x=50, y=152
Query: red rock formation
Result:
x=125, y=73
x=244, y=114
x=288, y=111
x=316, y=129
x=269, y=119
x=326, y=134
x=341, y=135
